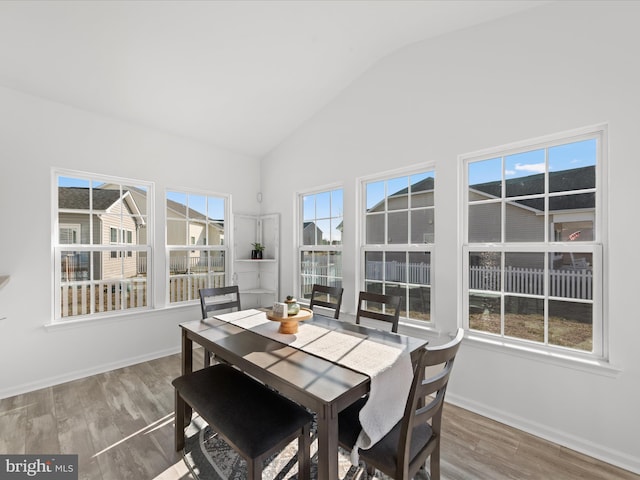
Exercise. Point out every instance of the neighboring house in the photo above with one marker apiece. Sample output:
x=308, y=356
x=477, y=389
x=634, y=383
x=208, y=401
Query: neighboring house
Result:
x=421, y=196
x=311, y=232
x=571, y=217
x=178, y=233
x=116, y=220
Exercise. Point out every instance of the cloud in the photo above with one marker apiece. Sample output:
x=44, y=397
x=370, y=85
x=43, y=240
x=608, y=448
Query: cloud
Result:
x=530, y=167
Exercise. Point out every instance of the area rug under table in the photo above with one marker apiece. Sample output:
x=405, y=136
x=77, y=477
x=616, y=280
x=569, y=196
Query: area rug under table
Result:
x=210, y=458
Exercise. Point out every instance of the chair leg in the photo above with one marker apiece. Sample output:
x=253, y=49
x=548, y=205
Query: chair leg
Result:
x=434, y=469
x=179, y=421
x=304, y=454
x=207, y=358
x=254, y=469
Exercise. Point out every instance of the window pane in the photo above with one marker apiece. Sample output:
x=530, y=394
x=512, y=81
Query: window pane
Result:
x=375, y=197
x=524, y=318
x=524, y=173
x=484, y=271
x=308, y=208
x=422, y=187
x=571, y=275
x=578, y=231
x=398, y=231
x=419, y=270
x=323, y=232
x=420, y=303
x=176, y=205
x=524, y=273
x=484, y=312
x=375, y=229
x=422, y=226
x=336, y=231
x=177, y=232
x=573, y=202
x=373, y=266
x=571, y=324
x=215, y=233
x=523, y=224
x=336, y=203
x=395, y=266
x=485, y=179
x=572, y=166
x=485, y=223
x=323, y=205
x=398, y=192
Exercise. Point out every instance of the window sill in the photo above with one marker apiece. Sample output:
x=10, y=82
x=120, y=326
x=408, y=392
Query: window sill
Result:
x=117, y=316
x=561, y=359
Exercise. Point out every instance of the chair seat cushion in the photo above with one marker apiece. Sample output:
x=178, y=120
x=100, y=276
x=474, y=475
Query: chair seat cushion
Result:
x=384, y=453
x=244, y=411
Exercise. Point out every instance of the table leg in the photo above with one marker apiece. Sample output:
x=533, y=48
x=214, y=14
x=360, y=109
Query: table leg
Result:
x=187, y=367
x=328, y=443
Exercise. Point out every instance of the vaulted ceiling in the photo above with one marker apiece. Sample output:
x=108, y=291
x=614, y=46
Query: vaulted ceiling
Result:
x=241, y=75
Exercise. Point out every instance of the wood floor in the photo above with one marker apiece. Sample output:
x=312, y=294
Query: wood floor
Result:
x=120, y=424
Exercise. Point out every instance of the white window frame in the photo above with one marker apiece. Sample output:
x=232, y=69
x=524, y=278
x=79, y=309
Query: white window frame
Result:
x=597, y=248
x=409, y=247
x=188, y=248
x=84, y=286
x=299, y=234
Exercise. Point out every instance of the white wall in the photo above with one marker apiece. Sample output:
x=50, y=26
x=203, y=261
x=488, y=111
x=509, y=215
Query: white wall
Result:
x=36, y=135
x=555, y=68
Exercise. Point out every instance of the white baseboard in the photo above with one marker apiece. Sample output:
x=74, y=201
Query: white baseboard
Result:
x=600, y=452
x=78, y=374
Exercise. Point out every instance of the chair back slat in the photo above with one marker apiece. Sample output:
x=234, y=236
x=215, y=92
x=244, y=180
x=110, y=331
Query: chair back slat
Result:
x=388, y=303
x=327, y=297
x=220, y=298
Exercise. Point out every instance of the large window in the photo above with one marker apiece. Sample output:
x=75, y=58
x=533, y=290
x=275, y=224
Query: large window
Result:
x=196, y=247
x=320, y=240
x=397, y=239
x=101, y=245
x=533, y=242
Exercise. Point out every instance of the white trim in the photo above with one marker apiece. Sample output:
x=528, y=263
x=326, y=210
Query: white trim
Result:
x=298, y=230
x=93, y=179
x=598, y=247
x=361, y=217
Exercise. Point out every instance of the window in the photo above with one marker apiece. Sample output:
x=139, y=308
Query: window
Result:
x=98, y=271
x=320, y=240
x=532, y=253
x=397, y=239
x=196, y=251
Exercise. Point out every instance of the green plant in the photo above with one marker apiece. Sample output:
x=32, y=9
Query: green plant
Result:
x=258, y=246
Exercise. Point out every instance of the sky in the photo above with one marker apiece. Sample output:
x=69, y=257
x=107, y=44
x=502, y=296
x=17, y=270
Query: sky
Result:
x=561, y=157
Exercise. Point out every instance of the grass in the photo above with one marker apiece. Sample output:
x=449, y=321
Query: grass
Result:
x=562, y=331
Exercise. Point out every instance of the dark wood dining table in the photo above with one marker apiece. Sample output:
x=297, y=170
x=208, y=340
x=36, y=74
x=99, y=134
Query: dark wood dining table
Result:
x=320, y=385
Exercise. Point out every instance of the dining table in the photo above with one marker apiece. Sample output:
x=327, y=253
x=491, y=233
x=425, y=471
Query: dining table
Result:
x=298, y=366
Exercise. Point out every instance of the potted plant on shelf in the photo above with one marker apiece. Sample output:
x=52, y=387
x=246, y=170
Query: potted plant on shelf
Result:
x=256, y=253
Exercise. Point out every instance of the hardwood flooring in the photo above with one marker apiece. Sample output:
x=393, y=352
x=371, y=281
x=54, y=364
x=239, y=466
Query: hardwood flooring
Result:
x=120, y=424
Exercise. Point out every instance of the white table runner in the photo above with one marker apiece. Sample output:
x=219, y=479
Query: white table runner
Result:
x=388, y=367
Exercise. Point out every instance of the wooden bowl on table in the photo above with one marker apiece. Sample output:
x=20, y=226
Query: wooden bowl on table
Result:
x=289, y=324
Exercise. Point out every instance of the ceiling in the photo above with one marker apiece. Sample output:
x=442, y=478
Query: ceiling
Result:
x=241, y=75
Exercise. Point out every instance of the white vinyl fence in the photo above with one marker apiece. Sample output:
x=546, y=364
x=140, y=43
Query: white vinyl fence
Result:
x=113, y=295
x=564, y=283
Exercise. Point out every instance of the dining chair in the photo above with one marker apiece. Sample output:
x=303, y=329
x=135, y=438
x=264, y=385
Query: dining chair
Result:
x=219, y=298
x=405, y=449
x=383, y=304
x=250, y=417
x=326, y=297
x=216, y=299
